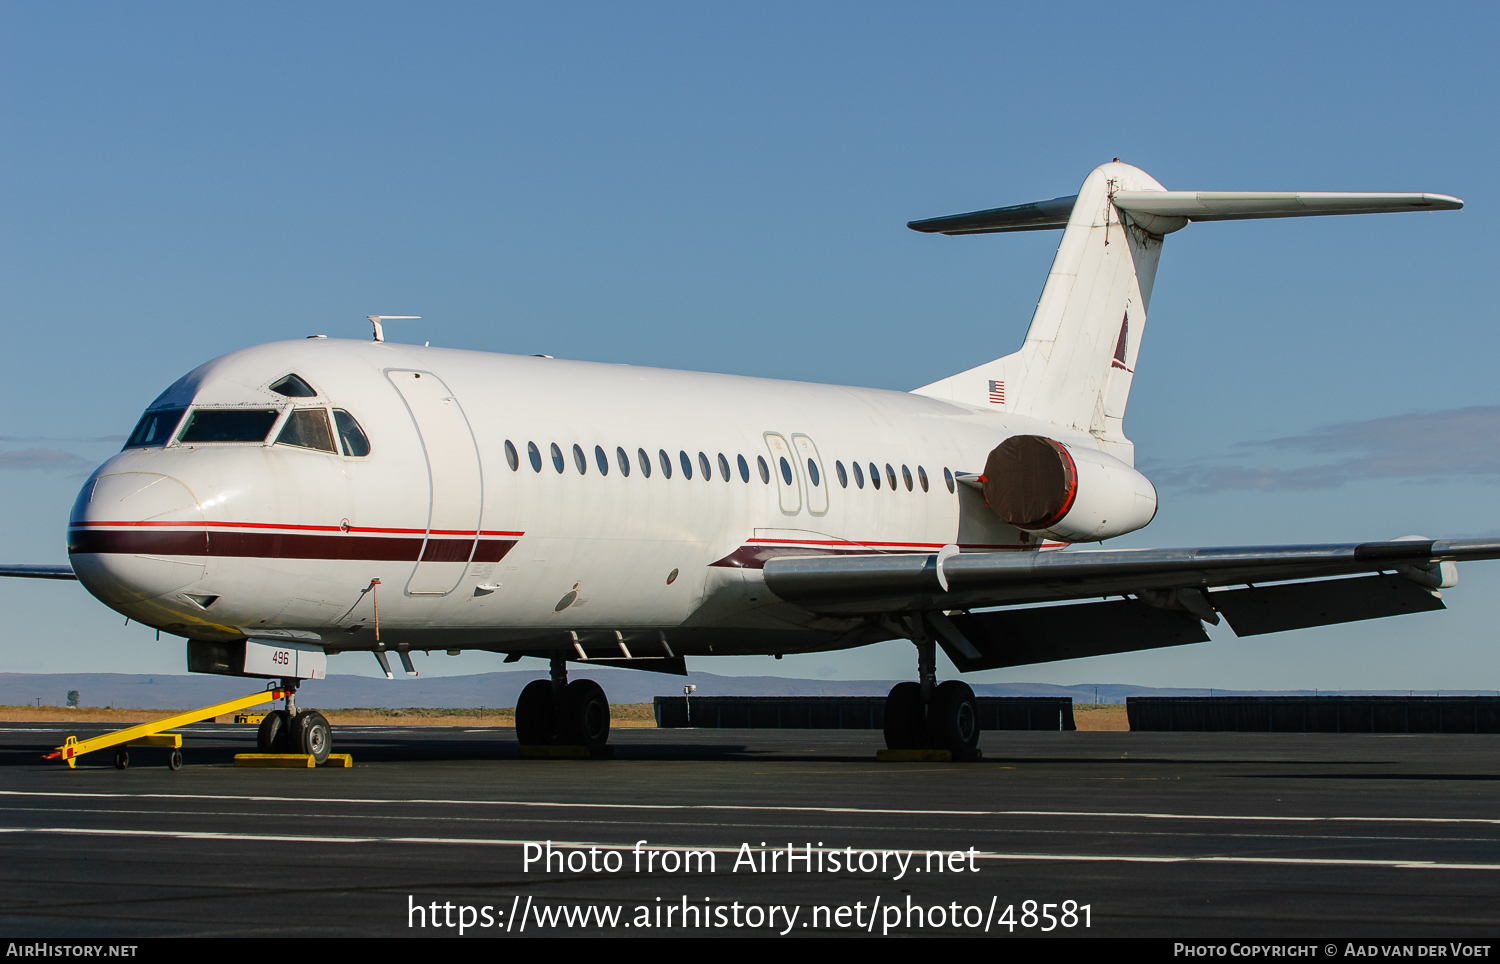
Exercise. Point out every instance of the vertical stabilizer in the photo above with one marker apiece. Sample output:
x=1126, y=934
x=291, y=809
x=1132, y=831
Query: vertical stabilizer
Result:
x=1077, y=362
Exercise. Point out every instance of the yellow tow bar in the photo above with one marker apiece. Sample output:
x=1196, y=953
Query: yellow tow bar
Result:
x=146, y=733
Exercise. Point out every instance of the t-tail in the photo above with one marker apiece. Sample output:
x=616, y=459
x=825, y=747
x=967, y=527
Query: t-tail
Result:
x=1076, y=365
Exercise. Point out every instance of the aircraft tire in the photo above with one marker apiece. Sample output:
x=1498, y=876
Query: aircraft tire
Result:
x=174, y=760
x=953, y=719
x=311, y=734
x=534, y=714
x=271, y=737
x=904, y=725
x=122, y=759
x=583, y=716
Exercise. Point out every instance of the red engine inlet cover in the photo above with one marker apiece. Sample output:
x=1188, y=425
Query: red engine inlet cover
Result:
x=1030, y=481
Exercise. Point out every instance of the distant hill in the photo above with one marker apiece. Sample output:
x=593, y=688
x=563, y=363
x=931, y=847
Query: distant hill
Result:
x=500, y=689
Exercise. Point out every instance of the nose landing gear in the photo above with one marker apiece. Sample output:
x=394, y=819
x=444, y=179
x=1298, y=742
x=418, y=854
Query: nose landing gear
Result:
x=556, y=712
x=290, y=731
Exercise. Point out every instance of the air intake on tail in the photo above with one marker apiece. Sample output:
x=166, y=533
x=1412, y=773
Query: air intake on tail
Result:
x=1073, y=494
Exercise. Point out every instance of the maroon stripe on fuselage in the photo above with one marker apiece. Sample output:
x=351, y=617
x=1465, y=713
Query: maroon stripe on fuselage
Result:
x=447, y=550
x=281, y=545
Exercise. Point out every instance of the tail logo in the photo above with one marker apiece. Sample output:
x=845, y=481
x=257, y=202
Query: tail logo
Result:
x=997, y=392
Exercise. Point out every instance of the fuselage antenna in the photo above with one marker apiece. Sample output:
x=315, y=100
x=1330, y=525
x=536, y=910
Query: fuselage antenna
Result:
x=377, y=319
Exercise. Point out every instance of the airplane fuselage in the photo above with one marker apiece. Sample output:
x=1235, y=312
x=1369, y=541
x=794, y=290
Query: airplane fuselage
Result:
x=521, y=503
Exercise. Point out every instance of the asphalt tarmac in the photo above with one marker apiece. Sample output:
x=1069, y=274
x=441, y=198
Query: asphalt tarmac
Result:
x=1169, y=835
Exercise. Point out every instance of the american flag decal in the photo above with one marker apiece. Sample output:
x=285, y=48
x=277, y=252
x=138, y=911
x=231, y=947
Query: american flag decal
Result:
x=997, y=392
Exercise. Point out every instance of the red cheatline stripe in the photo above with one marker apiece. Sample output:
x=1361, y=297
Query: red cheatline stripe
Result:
x=296, y=528
x=853, y=543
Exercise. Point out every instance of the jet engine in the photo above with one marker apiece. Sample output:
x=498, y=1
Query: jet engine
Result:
x=1065, y=492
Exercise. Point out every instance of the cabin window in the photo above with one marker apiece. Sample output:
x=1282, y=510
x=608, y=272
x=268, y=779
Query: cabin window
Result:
x=859, y=475
x=948, y=479
x=687, y=465
x=765, y=471
x=601, y=460
x=906, y=477
x=843, y=476
x=557, y=459
x=890, y=476
x=875, y=475
x=580, y=460
x=744, y=467
x=723, y=466
x=534, y=455
x=922, y=477
x=511, y=457
x=786, y=470
x=307, y=428
x=812, y=471
x=623, y=460
x=292, y=386
x=228, y=425
x=705, y=467
x=666, y=462
x=645, y=461
x=155, y=428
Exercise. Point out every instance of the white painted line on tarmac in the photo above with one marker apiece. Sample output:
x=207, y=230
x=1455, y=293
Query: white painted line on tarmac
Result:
x=379, y=801
x=627, y=848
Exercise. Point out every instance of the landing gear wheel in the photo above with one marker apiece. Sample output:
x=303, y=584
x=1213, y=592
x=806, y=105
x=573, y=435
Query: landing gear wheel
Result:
x=583, y=716
x=905, y=728
x=122, y=759
x=311, y=734
x=953, y=719
x=174, y=762
x=534, y=714
x=271, y=737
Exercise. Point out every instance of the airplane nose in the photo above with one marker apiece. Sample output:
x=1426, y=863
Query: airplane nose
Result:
x=136, y=535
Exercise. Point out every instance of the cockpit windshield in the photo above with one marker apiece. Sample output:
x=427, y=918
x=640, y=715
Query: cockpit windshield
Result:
x=228, y=425
x=155, y=428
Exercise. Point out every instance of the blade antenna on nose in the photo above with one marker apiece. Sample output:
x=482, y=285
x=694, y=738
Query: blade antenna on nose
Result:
x=380, y=330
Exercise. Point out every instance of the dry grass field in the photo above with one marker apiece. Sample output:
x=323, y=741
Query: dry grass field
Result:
x=632, y=715
x=1110, y=716
x=1100, y=716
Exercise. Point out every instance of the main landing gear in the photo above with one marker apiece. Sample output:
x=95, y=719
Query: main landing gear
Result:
x=557, y=712
x=929, y=715
x=288, y=731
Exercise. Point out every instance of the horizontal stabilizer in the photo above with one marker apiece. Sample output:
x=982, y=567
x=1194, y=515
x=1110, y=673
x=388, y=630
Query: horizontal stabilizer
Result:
x=1036, y=216
x=1162, y=212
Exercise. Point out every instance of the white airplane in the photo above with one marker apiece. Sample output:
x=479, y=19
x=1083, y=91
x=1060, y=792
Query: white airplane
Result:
x=301, y=498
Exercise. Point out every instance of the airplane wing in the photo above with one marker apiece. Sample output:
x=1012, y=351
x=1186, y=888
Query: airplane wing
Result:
x=1168, y=593
x=38, y=572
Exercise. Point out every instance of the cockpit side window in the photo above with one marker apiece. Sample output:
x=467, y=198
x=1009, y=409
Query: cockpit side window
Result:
x=155, y=428
x=351, y=436
x=292, y=386
x=307, y=428
x=228, y=425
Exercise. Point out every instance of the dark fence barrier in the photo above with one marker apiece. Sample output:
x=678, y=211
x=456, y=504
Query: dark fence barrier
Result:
x=1317, y=714
x=844, y=712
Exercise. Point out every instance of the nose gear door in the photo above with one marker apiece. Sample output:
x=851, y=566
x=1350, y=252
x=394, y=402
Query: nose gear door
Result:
x=455, y=485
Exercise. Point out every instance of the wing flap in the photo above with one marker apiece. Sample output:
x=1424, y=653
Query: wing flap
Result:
x=902, y=582
x=1018, y=637
x=1274, y=609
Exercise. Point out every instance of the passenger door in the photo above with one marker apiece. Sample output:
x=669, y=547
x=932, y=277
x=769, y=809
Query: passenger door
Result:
x=455, y=484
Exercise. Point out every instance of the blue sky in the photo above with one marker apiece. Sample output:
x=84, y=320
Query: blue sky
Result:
x=724, y=188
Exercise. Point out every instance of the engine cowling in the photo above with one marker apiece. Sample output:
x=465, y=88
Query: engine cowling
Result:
x=1066, y=492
